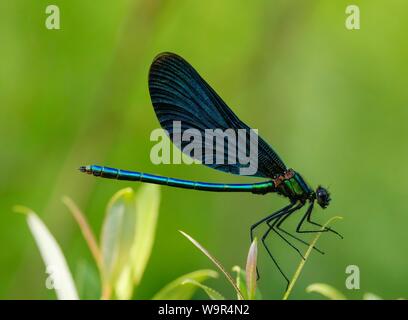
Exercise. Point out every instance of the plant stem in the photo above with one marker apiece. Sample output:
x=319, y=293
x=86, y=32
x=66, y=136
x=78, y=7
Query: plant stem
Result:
x=306, y=255
x=106, y=292
x=215, y=261
x=85, y=229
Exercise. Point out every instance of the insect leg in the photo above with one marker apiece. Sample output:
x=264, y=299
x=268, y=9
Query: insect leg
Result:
x=269, y=217
x=307, y=217
x=278, y=226
x=273, y=224
x=288, y=211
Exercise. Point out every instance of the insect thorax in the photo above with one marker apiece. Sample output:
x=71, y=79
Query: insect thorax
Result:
x=292, y=185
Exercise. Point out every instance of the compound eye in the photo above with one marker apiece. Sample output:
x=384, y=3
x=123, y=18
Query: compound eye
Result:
x=322, y=197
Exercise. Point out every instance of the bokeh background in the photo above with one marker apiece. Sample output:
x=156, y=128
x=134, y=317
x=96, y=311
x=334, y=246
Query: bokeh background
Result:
x=332, y=102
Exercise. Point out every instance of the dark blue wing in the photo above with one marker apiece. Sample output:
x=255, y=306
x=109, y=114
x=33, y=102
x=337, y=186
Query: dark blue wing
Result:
x=178, y=93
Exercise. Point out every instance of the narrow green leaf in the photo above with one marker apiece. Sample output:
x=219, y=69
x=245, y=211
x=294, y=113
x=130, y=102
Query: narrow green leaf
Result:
x=212, y=294
x=250, y=270
x=241, y=284
x=117, y=235
x=60, y=277
x=175, y=290
x=147, y=207
x=326, y=290
x=215, y=261
x=306, y=256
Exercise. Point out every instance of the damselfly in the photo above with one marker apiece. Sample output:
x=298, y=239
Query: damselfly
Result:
x=179, y=94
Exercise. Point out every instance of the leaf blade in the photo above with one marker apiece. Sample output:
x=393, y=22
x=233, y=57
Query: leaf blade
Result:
x=117, y=237
x=371, y=296
x=51, y=254
x=147, y=208
x=241, y=283
x=215, y=261
x=175, y=290
x=250, y=270
x=124, y=284
x=212, y=293
x=326, y=290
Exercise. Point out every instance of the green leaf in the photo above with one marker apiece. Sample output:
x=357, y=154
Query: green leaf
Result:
x=60, y=277
x=147, y=207
x=212, y=294
x=124, y=284
x=371, y=296
x=176, y=290
x=215, y=261
x=240, y=281
x=250, y=270
x=117, y=235
x=241, y=284
x=326, y=290
x=127, y=238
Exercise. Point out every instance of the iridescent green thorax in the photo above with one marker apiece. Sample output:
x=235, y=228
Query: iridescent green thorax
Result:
x=292, y=185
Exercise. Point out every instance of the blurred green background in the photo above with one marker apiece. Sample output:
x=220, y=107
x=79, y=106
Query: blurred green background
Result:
x=332, y=102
